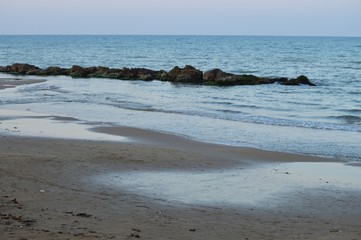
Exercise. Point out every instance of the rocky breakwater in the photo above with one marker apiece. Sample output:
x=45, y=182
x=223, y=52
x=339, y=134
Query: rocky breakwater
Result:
x=187, y=74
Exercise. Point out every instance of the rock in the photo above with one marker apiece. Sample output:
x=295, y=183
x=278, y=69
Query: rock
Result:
x=233, y=80
x=99, y=72
x=188, y=74
x=280, y=80
x=143, y=74
x=299, y=81
x=56, y=71
x=37, y=72
x=215, y=76
x=163, y=76
x=220, y=78
x=78, y=72
x=3, y=69
x=91, y=70
x=22, y=68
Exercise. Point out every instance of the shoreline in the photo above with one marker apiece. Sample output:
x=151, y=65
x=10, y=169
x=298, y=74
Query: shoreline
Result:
x=43, y=126
x=40, y=125
x=172, y=141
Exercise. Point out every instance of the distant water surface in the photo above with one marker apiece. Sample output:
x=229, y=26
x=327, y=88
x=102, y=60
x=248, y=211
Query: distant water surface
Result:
x=322, y=120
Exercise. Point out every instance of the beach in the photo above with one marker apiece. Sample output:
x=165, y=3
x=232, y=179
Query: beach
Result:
x=48, y=191
x=91, y=158
x=59, y=188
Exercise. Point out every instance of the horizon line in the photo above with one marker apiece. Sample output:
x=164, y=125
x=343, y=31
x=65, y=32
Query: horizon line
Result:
x=195, y=35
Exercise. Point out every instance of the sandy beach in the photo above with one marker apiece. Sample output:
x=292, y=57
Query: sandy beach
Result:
x=47, y=192
x=76, y=181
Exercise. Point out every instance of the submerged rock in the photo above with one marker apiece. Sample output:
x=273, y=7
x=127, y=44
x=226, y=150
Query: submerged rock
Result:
x=188, y=74
x=301, y=80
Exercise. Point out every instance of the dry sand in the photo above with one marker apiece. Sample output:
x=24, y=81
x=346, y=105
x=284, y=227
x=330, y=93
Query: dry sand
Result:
x=46, y=192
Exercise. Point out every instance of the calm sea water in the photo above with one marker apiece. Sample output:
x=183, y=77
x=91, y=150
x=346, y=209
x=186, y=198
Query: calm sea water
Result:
x=322, y=120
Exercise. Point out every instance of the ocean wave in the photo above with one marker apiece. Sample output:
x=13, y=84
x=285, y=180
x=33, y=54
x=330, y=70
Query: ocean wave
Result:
x=353, y=110
x=217, y=102
x=238, y=116
x=244, y=71
x=350, y=119
x=354, y=92
x=137, y=57
x=352, y=68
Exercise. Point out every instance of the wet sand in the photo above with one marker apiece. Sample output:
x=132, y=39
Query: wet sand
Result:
x=49, y=190
x=14, y=82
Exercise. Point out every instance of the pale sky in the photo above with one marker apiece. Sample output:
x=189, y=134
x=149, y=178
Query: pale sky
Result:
x=186, y=17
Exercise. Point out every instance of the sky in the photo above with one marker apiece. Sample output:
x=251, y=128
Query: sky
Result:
x=186, y=17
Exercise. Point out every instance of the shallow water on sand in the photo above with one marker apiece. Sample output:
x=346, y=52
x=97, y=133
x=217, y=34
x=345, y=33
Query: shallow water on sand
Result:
x=261, y=185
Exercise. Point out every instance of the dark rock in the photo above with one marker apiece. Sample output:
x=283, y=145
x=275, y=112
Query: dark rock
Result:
x=299, y=81
x=99, y=72
x=21, y=68
x=123, y=74
x=220, y=78
x=90, y=70
x=280, y=80
x=163, y=76
x=78, y=72
x=232, y=80
x=3, y=69
x=215, y=75
x=37, y=72
x=248, y=80
x=143, y=74
x=188, y=74
x=56, y=71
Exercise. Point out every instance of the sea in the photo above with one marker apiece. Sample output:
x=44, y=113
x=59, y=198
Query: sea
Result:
x=324, y=120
